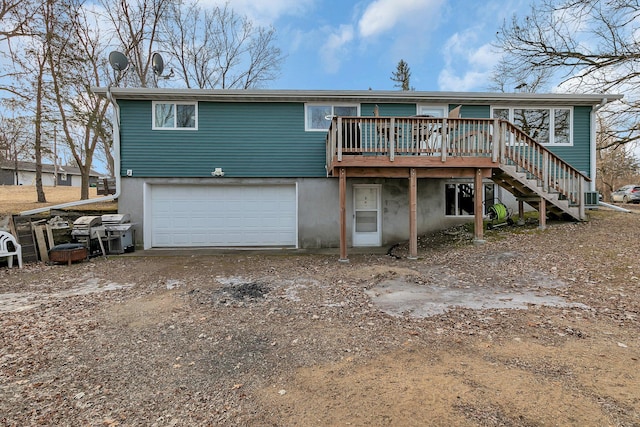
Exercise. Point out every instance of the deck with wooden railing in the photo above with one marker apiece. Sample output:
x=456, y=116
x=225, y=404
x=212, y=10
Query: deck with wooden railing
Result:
x=407, y=136
x=388, y=143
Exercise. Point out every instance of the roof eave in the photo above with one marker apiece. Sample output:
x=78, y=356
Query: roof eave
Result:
x=257, y=95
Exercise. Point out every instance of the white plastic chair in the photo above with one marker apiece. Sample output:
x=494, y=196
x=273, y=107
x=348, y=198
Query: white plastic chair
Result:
x=5, y=238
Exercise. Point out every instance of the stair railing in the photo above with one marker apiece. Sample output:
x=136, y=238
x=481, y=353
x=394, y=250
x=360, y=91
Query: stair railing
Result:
x=551, y=172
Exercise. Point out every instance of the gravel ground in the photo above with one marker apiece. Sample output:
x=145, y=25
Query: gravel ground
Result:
x=297, y=339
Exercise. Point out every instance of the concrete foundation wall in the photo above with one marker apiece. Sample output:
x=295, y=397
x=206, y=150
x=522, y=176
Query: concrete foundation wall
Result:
x=318, y=206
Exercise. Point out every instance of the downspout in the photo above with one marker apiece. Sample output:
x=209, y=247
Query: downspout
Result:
x=116, y=166
x=592, y=166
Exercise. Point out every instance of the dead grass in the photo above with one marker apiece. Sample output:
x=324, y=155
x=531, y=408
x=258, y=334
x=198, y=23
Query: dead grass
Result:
x=16, y=199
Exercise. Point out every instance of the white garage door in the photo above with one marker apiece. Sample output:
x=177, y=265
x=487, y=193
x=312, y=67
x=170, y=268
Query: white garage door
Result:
x=223, y=215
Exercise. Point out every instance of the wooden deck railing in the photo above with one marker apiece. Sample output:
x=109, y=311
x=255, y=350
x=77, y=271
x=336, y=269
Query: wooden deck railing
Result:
x=445, y=138
x=392, y=136
x=551, y=172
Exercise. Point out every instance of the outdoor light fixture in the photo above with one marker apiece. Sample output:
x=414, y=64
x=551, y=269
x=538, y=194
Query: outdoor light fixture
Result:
x=217, y=172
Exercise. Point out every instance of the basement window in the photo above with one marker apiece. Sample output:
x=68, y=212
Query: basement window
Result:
x=174, y=115
x=459, y=198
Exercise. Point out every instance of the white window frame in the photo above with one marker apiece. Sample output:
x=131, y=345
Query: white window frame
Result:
x=307, y=128
x=443, y=107
x=466, y=182
x=552, y=129
x=175, y=104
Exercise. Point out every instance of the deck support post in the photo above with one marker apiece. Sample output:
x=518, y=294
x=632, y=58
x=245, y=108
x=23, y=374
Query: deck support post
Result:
x=343, y=215
x=413, y=215
x=581, y=201
x=542, y=214
x=478, y=211
x=520, y=212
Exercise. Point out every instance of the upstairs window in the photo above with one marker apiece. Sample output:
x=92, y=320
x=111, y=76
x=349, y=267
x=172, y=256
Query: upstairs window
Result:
x=432, y=110
x=174, y=115
x=318, y=116
x=548, y=126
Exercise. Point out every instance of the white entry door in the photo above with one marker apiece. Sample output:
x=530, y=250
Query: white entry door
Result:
x=366, y=215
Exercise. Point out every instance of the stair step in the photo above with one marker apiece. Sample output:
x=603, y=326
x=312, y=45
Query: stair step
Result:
x=511, y=178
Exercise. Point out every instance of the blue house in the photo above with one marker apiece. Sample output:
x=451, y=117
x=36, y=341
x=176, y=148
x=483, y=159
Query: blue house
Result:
x=313, y=169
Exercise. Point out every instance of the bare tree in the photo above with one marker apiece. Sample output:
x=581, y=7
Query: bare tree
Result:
x=15, y=142
x=507, y=79
x=28, y=72
x=616, y=165
x=15, y=16
x=40, y=61
x=402, y=76
x=76, y=62
x=54, y=67
x=216, y=48
x=590, y=45
x=136, y=25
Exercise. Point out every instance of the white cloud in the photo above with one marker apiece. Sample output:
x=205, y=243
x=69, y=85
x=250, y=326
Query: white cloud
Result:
x=265, y=12
x=336, y=47
x=484, y=57
x=382, y=16
x=467, y=82
x=466, y=64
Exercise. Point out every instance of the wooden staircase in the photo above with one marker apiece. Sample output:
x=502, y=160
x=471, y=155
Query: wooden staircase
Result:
x=531, y=191
x=531, y=173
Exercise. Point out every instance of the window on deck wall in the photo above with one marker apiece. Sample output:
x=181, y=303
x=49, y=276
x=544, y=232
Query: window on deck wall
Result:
x=432, y=110
x=545, y=125
x=168, y=115
x=318, y=116
x=459, y=198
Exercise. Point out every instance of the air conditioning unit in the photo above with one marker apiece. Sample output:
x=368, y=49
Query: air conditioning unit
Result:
x=591, y=198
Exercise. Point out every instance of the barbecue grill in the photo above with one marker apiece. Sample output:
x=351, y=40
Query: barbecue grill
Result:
x=87, y=230
x=119, y=233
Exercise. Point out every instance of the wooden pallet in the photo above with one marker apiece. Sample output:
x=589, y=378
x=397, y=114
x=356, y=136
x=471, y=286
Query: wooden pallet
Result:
x=24, y=234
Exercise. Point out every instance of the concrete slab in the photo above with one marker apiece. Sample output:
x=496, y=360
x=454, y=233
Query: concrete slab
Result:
x=402, y=297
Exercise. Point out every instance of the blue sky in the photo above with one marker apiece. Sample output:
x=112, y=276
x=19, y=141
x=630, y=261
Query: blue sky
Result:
x=350, y=44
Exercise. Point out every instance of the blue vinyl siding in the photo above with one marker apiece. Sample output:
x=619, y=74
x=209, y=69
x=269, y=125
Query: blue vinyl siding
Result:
x=244, y=139
x=408, y=110
x=577, y=155
x=259, y=139
x=474, y=111
x=389, y=110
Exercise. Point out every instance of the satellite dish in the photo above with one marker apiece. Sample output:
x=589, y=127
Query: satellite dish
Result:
x=118, y=61
x=157, y=63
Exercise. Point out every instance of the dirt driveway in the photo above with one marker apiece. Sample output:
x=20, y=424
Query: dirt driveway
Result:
x=533, y=328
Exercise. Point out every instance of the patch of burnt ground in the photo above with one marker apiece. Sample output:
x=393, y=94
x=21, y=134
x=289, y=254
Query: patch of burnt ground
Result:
x=244, y=292
x=251, y=290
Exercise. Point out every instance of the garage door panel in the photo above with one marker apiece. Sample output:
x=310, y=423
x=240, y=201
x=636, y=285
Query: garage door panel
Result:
x=223, y=215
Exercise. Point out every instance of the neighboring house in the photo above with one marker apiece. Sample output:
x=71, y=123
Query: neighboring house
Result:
x=25, y=174
x=311, y=169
